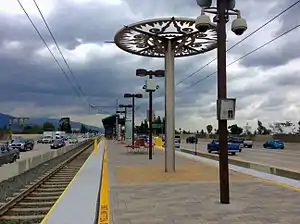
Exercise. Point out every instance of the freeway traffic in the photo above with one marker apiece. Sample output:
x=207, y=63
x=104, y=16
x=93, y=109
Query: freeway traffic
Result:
x=287, y=158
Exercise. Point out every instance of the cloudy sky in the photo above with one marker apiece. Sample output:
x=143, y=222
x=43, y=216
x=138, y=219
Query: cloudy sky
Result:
x=31, y=84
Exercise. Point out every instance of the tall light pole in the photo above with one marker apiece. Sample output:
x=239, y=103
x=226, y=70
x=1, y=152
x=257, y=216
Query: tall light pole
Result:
x=133, y=96
x=167, y=38
x=125, y=106
x=150, y=87
x=119, y=112
x=224, y=9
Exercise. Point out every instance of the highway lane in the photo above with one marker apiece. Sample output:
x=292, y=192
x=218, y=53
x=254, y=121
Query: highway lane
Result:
x=40, y=149
x=287, y=158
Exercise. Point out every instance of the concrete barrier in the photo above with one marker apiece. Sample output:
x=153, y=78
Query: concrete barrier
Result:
x=283, y=172
x=32, y=136
x=10, y=170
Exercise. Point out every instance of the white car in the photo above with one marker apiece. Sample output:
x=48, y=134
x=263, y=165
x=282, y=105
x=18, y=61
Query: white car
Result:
x=73, y=141
x=47, y=140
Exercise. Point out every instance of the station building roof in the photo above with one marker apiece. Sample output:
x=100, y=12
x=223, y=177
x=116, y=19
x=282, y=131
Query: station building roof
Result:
x=110, y=121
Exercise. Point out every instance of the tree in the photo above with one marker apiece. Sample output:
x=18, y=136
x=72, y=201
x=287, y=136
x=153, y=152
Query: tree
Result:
x=163, y=126
x=83, y=129
x=48, y=126
x=262, y=130
x=209, y=128
x=235, y=129
x=35, y=129
x=247, y=129
x=64, y=125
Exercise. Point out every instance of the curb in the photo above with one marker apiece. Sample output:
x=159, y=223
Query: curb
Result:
x=282, y=172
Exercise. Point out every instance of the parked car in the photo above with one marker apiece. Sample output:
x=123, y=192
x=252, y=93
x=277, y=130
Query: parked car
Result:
x=47, y=139
x=191, y=140
x=233, y=148
x=22, y=144
x=7, y=154
x=273, y=144
x=57, y=144
x=73, y=140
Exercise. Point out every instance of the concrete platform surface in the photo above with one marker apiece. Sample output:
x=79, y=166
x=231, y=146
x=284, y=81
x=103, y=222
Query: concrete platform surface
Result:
x=141, y=193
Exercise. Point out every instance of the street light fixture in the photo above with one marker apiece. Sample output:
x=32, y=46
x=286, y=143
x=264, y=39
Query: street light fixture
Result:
x=224, y=9
x=125, y=106
x=150, y=87
x=133, y=96
x=167, y=38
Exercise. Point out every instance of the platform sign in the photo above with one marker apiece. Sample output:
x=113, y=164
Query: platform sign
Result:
x=157, y=126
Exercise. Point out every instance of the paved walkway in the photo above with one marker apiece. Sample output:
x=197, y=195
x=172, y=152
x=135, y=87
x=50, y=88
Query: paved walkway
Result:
x=142, y=193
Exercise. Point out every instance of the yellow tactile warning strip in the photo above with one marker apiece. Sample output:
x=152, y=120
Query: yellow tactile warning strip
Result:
x=103, y=216
x=193, y=171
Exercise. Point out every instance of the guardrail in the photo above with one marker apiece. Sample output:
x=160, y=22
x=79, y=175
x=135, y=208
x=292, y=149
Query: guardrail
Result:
x=282, y=172
x=19, y=167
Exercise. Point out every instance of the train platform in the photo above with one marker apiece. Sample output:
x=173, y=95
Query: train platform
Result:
x=140, y=192
x=79, y=203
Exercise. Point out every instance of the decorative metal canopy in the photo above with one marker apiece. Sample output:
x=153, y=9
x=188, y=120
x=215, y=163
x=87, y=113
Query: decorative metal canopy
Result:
x=148, y=38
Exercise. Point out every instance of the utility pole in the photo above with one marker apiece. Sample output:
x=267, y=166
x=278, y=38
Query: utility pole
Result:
x=222, y=95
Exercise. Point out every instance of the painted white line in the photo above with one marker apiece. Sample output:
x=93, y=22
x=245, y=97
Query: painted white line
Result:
x=266, y=176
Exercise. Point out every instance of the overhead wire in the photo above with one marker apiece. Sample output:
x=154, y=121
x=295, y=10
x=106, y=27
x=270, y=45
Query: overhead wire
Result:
x=48, y=48
x=242, y=40
x=62, y=55
x=242, y=57
x=230, y=48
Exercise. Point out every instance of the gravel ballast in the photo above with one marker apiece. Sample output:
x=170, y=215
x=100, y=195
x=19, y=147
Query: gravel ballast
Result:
x=15, y=184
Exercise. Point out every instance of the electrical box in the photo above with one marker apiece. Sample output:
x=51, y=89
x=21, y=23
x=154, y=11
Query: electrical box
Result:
x=226, y=109
x=150, y=85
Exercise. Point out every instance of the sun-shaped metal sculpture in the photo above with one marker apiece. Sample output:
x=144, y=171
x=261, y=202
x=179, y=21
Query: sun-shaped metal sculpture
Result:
x=148, y=38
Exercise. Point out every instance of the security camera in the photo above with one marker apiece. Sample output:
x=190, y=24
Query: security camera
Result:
x=203, y=23
x=239, y=26
x=157, y=86
x=204, y=3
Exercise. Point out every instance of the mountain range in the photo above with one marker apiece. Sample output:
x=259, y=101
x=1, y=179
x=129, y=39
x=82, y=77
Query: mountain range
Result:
x=4, y=120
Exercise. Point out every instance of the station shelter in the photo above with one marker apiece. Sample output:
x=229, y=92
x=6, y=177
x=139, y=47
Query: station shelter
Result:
x=109, y=124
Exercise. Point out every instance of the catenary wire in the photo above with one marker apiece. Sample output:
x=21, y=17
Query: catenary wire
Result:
x=242, y=40
x=62, y=55
x=242, y=57
x=233, y=46
x=47, y=46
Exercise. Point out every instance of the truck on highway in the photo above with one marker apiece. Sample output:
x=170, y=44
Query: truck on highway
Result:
x=248, y=143
x=8, y=154
x=233, y=148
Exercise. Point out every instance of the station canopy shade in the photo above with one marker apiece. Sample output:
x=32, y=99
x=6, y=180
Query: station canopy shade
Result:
x=110, y=121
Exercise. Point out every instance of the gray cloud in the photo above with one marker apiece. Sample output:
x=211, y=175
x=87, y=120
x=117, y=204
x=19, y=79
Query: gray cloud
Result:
x=26, y=77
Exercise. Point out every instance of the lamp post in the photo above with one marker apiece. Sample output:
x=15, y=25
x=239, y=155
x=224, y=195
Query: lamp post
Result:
x=167, y=38
x=224, y=9
x=133, y=96
x=118, y=112
x=125, y=106
x=150, y=87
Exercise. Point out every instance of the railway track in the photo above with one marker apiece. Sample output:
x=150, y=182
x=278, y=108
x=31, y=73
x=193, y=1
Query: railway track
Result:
x=34, y=201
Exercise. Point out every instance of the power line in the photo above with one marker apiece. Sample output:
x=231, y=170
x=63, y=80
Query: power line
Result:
x=242, y=40
x=242, y=57
x=233, y=46
x=45, y=43
x=57, y=46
